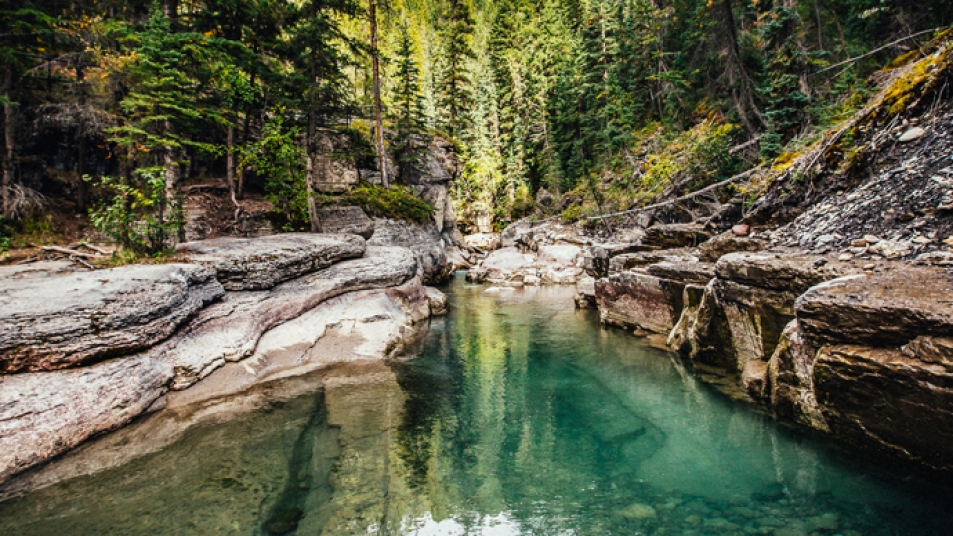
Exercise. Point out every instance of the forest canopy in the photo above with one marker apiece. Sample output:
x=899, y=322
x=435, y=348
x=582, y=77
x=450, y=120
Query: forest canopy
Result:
x=598, y=104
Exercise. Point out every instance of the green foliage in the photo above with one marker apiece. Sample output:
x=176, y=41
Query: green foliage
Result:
x=279, y=161
x=396, y=202
x=138, y=216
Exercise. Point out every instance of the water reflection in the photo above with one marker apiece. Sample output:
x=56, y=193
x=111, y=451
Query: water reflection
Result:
x=519, y=416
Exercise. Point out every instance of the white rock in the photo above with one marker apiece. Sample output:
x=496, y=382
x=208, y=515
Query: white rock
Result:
x=912, y=134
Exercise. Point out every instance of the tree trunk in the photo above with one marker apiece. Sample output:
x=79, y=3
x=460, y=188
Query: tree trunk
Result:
x=172, y=181
x=742, y=92
x=8, y=144
x=312, y=147
x=230, y=160
x=82, y=189
x=378, y=120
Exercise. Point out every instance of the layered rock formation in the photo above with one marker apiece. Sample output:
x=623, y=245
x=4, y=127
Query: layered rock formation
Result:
x=130, y=335
x=531, y=254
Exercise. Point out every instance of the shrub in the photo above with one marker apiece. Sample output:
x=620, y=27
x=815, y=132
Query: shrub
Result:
x=139, y=216
x=397, y=202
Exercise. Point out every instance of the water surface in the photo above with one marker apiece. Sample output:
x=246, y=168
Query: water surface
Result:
x=518, y=415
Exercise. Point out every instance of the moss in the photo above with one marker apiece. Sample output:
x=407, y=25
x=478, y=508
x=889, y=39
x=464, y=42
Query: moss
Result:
x=396, y=202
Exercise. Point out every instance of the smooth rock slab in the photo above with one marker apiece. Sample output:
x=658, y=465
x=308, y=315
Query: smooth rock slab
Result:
x=230, y=330
x=45, y=414
x=70, y=319
x=424, y=240
x=262, y=263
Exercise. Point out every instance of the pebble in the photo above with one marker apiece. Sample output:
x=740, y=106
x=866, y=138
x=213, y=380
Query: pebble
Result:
x=870, y=266
x=829, y=521
x=741, y=230
x=912, y=134
x=858, y=243
x=845, y=257
x=871, y=239
x=639, y=511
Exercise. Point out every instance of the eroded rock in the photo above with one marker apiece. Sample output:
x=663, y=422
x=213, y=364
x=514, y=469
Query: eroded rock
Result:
x=70, y=319
x=424, y=240
x=262, y=263
x=675, y=235
x=634, y=300
x=349, y=220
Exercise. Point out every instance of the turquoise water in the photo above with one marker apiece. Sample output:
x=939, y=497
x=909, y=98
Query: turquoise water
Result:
x=516, y=415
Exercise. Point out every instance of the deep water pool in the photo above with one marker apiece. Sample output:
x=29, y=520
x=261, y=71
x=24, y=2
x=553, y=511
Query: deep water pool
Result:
x=516, y=414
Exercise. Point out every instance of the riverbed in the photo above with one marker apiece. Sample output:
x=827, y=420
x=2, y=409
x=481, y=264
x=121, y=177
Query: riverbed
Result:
x=514, y=414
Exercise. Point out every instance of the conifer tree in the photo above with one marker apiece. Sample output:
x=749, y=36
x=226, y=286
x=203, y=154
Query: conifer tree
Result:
x=455, y=92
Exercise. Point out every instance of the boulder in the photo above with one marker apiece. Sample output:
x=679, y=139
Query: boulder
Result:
x=639, y=301
x=483, y=241
x=45, y=414
x=503, y=264
x=424, y=240
x=438, y=302
x=881, y=399
x=597, y=261
x=262, y=263
x=230, y=330
x=71, y=319
x=879, y=309
x=726, y=243
x=458, y=259
x=559, y=263
x=676, y=235
x=350, y=220
x=585, y=297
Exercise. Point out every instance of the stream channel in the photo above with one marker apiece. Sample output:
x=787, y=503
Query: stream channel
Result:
x=515, y=414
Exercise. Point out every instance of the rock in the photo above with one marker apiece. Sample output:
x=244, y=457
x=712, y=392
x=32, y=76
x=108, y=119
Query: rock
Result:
x=699, y=273
x=741, y=230
x=673, y=235
x=483, y=241
x=544, y=198
x=879, y=309
x=791, y=383
x=829, y=521
x=503, y=264
x=870, y=239
x=788, y=272
x=559, y=263
x=708, y=334
x=350, y=220
x=912, y=134
x=755, y=318
x=424, y=240
x=585, y=297
x=45, y=414
x=720, y=524
x=725, y=243
x=261, y=263
x=858, y=243
x=230, y=330
x=693, y=519
x=40, y=269
x=438, y=301
x=890, y=249
x=458, y=259
x=679, y=339
x=754, y=379
x=639, y=511
x=878, y=399
x=641, y=259
x=71, y=319
x=930, y=349
x=632, y=300
x=597, y=260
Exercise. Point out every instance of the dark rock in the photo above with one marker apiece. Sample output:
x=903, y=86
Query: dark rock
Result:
x=261, y=263
x=726, y=243
x=349, y=220
x=780, y=271
x=675, y=235
x=879, y=309
x=791, y=383
x=632, y=300
x=70, y=319
x=598, y=259
x=879, y=399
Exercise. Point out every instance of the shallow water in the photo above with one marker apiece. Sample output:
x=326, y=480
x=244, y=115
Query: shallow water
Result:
x=518, y=415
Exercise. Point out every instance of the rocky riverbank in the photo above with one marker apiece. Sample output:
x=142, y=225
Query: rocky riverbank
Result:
x=85, y=352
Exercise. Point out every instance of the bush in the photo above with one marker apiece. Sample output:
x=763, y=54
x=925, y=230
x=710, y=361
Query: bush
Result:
x=139, y=216
x=396, y=202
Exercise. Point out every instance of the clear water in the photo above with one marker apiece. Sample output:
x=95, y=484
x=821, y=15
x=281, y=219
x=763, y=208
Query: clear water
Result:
x=519, y=415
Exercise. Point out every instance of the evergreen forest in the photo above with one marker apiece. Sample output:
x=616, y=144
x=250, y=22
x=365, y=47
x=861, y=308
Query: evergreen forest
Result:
x=569, y=108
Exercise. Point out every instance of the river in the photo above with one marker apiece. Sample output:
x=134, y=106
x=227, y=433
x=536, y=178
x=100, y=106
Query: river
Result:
x=514, y=414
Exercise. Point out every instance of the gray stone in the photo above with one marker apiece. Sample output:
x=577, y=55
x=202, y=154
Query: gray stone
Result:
x=350, y=220
x=70, y=319
x=483, y=241
x=503, y=264
x=912, y=134
x=424, y=240
x=642, y=259
x=633, y=300
x=726, y=243
x=598, y=260
x=261, y=263
x=45, y=414
x=674, y=235
x=699, y=273
x=780, y=271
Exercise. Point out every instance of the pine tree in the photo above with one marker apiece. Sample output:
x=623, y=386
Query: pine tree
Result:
x=409, y=107
x=455, y=92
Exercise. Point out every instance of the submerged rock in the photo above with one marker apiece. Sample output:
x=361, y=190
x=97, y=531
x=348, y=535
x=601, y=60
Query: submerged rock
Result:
x=261, y=263
x=69, y=319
